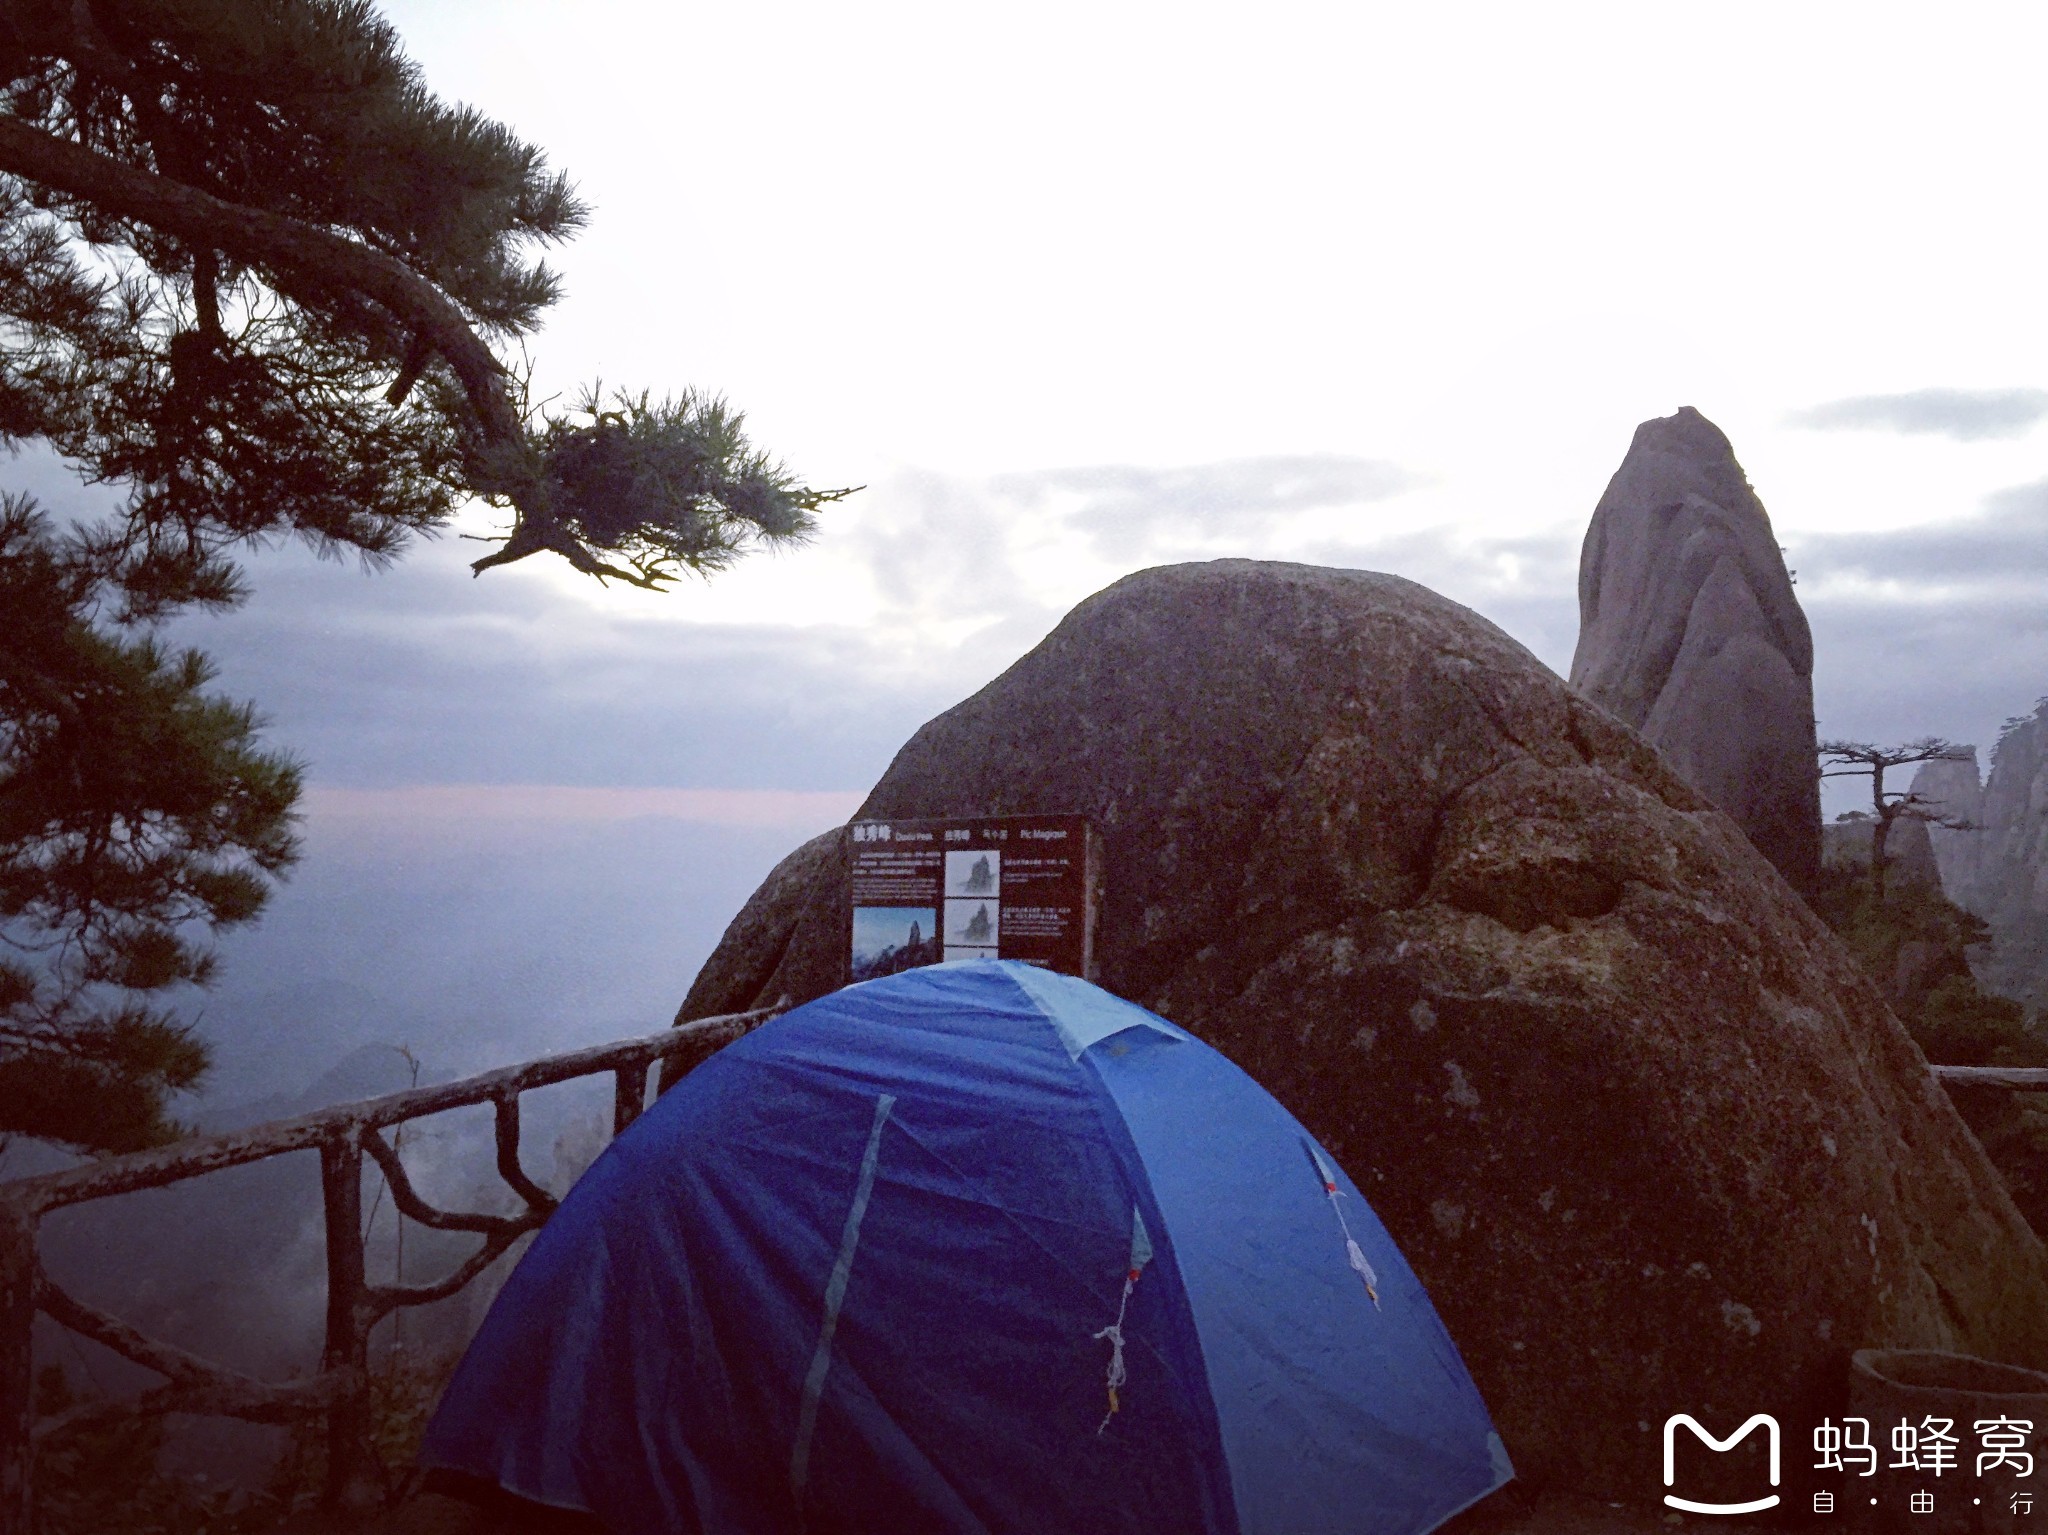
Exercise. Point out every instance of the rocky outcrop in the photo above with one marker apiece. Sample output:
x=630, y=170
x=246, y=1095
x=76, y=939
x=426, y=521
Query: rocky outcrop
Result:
x=1633, y=1113
x=1907, y=974
x=2000, y=870
x=1688, y=630
x=1956, y=789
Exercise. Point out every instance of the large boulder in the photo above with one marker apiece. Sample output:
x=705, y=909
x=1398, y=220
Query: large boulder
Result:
x=1633, y=1113
x=1688, y=630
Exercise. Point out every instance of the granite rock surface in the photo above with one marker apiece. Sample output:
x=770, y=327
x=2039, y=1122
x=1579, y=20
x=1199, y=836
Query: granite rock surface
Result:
x=1644, y=1129
x=1689, y=631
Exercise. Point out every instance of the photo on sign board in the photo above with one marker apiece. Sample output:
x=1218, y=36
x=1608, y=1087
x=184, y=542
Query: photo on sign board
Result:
x=887, y=939
x=973, y=924
x=974, y=872
x=953, y=953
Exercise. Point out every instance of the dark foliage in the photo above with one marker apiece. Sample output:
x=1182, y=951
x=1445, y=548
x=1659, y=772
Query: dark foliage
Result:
x=1953, y=1019
x=135, y=811
x=668, y=485
x=1955, y=1022
x=109, y=1477
x=106, y=1478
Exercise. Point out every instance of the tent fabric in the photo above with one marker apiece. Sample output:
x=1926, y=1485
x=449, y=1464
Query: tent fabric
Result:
x=971, y=1248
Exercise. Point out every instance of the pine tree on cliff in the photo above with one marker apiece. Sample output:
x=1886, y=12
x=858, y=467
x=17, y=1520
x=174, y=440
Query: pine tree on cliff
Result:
x=1863, y=759
x=254, y=274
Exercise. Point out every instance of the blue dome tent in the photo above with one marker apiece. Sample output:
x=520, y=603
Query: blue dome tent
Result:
x=971, y=1248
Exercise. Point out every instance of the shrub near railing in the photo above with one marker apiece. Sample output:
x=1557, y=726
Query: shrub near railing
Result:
x=340, y=1391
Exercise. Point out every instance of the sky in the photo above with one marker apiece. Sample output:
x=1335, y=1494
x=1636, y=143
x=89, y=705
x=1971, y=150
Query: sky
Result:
x=1075, y=290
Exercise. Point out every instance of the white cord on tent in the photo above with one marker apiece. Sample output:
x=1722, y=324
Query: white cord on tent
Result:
x=1359, y=1266
x=1141, y=1254
x=1115, y=1333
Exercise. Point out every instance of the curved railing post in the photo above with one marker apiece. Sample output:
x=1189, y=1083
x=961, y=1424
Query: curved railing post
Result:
x=348, y=1340
x=17, y=1368
x=629, y=1093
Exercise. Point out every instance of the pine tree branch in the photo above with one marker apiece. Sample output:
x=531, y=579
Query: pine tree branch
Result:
x=308, y=264
x=417, y=356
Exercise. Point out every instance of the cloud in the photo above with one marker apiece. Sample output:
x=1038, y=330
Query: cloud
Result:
x=1936, y=629
x=1967, y=415
x=435, y=805
x=421, y=675
x=1126, y=510
x=950, y=559
x=941, y=547
x=2004, y=545
x=968, y=573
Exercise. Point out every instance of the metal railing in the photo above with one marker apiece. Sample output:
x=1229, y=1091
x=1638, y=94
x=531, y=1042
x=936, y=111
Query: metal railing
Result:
x=343, y=1135
x=2025, y=1078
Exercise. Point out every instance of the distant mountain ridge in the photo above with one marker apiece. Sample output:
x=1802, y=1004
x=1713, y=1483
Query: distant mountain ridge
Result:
x=273, y=1043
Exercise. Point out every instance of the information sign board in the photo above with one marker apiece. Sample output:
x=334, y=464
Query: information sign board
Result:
x=1003, y=887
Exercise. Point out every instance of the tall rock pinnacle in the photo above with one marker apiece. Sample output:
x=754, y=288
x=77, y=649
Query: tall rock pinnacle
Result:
x=1688, y=630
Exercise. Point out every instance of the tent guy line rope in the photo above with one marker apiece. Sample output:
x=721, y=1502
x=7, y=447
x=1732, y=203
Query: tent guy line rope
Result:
x=1141, y=1254
x=1117, y=1374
